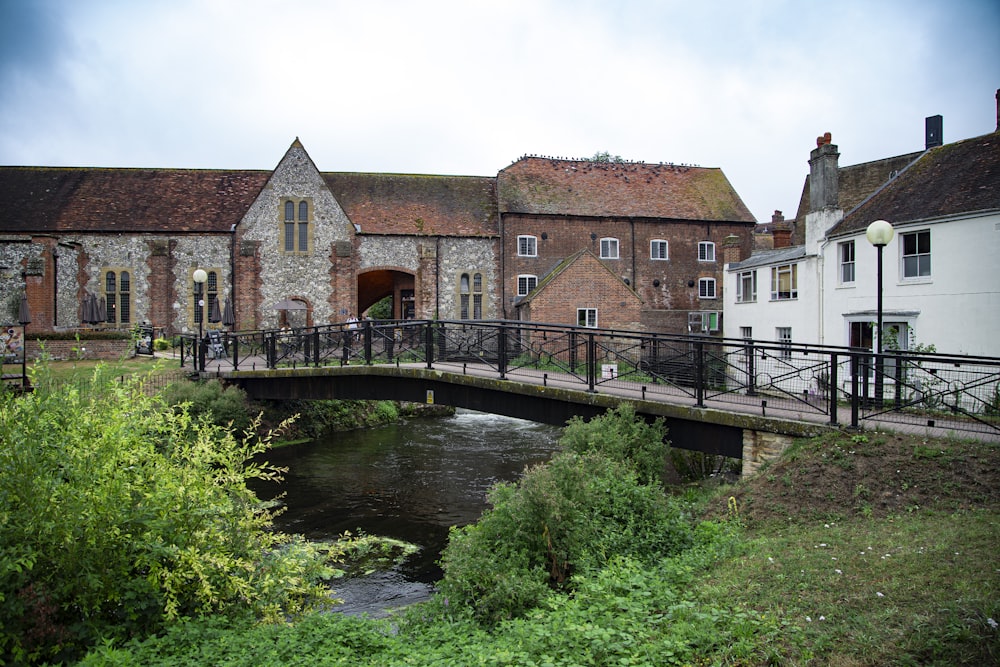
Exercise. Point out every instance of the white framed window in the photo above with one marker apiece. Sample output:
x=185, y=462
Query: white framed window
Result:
x=527, y=246
x=658, y=249
x=706, y=251
x=784, y=282
x=746, y=287
x=609, y=248
x=526, y=283
x=746, y=333
x=586, y=317
x=784, y=336
x=916, y=254
x=706, y=288
x=845, y=252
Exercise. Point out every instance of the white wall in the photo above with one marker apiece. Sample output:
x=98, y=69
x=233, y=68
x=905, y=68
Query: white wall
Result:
x=956, y=309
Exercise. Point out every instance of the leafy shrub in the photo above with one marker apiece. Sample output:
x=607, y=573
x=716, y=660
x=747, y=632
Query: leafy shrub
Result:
x=119, y=515
x=161, y=344
x=220, y=404
x=620, y=435
x=570, y=515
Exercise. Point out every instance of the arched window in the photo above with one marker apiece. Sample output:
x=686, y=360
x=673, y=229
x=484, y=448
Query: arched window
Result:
x=203, y=312
x=470, y=295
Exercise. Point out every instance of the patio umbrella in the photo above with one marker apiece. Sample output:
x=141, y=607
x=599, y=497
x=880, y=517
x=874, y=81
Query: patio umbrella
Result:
x=88, y=308
x=23, y=314
x=213, y=311
x=228, y=317
x=102, y=310
x=289, y=304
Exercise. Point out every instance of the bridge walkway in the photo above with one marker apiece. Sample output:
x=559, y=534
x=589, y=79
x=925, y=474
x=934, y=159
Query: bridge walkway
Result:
x=805, y=410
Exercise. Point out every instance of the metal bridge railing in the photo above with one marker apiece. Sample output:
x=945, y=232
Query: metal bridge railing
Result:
x=843, y=385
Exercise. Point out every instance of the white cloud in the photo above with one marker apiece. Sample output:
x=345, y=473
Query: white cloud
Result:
x=467, y=86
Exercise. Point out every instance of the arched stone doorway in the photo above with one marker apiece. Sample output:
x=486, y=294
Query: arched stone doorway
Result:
x=376, y=284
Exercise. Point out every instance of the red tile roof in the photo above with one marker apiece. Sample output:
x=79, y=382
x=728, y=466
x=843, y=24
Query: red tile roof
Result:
x=552, y=186
x=416, y=204
x=40, y=199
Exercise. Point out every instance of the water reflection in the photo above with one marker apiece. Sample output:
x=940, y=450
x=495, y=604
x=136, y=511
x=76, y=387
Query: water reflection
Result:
x=409, y=481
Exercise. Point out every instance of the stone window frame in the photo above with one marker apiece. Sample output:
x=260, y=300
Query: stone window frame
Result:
x=212, y=293
x=295, y=216
x=470, y=294
x=116, y=298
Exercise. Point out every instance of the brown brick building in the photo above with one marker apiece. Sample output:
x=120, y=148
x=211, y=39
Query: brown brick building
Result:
x=622, y=245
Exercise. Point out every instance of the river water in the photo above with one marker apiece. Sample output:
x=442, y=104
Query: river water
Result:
x=410, y=481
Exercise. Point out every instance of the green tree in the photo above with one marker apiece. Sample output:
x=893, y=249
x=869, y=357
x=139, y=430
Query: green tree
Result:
x=119, y=516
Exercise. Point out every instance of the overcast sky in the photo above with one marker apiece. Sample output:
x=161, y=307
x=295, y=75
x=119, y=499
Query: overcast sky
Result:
x=467, y=87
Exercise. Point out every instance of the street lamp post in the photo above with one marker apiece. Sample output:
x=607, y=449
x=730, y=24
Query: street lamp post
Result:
x=200, y=277
x=879, y=233
x=24, y=318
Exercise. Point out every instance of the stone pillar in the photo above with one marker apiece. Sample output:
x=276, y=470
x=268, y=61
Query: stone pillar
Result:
x=759, y=447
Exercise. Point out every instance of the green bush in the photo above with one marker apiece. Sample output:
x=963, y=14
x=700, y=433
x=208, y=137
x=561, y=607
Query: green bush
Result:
x=570, y=515
x=161, y=344
x=221, y=405
x=119, y=515
x=620, y=435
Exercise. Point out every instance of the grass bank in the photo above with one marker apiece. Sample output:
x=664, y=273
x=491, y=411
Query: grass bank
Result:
x=850, y=550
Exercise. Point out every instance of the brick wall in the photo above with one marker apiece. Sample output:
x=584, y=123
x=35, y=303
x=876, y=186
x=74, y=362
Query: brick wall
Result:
x=80, y=349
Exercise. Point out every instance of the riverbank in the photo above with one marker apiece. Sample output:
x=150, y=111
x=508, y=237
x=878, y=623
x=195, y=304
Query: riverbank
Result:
x=861, y=549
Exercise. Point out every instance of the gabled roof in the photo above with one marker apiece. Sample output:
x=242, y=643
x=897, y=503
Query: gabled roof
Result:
x=583, y=255
x=551, y=186
x=77, y=199
x=858, y=181
x=953, y=179
x=416, y=204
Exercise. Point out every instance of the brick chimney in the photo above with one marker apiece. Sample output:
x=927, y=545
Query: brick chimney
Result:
x=731, y=252
x=824, y=185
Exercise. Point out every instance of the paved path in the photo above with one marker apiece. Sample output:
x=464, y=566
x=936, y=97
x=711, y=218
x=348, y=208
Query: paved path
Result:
x=776, y=406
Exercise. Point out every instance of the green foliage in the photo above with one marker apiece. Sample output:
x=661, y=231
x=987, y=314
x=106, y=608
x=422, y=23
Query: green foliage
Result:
x=161, y=344
x=316, y=419
x=222, y=405
x=605, y=156
x=620, y=435
x=119, y=515
x=572, y=515
x=381, y=310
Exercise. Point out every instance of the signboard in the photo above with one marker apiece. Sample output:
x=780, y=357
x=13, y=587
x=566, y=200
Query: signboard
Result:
x=12, y=343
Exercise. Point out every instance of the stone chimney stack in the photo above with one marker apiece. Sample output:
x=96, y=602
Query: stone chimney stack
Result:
x=824, y=188
x=933, y=131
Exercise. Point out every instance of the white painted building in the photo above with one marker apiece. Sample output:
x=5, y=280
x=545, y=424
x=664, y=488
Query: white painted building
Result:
x=941, y=270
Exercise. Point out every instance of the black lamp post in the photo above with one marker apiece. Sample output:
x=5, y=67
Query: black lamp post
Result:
x=879, y=233
x=24, y=318
x=200, y=277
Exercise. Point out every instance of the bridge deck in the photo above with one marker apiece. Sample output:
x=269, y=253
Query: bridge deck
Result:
x=775, y=407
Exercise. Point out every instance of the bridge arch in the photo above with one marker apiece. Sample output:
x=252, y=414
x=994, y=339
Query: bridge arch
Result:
x=374, y=284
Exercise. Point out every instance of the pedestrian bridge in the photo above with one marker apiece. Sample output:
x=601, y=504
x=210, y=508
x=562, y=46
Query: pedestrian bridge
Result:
x=737, y=398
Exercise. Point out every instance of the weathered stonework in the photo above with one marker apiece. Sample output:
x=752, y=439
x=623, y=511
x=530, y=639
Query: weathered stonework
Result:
x=760, y=447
